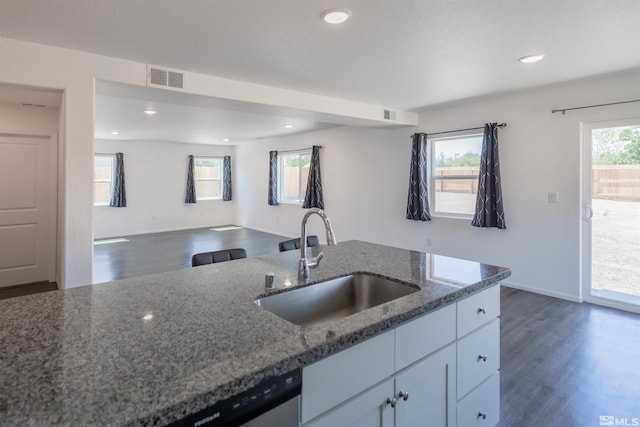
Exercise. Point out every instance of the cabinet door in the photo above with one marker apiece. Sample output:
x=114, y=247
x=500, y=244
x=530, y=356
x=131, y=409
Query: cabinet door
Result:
x=332, y=381
x=369, y=409
x=431, y=387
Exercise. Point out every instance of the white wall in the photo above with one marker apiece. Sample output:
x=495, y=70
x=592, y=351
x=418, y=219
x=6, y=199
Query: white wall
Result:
x=39, y=66
x=155, y=177
x=365, y=178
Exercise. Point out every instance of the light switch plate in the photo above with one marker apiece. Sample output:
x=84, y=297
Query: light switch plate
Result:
x=553, y=197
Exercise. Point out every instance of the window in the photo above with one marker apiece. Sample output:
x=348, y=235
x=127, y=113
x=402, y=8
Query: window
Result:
x=102, y=179
x=454, y=171
x=208, y=178
x=293, y=175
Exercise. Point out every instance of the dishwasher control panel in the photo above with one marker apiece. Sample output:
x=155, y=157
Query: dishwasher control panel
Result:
x=247, y=405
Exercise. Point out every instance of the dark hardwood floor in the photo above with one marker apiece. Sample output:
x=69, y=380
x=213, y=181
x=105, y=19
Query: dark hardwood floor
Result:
x=562, y=364
x=566, y=364
x=161, y=252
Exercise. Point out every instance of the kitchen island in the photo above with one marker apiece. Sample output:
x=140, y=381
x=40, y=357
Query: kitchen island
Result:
x=152, y=349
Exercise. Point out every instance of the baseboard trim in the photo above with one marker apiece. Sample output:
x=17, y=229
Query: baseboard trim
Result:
x=560, y=295
x=618, y=305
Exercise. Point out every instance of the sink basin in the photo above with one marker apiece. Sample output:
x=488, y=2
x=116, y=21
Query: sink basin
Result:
x=335, y=298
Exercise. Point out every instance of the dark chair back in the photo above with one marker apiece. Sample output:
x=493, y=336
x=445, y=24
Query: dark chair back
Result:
x=217, y=256
x=290, y=245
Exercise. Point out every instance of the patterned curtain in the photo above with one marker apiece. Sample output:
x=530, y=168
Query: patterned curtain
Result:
x=191, y=184
x=313, y=197
x=226, y=179
x=418, y=199
x=118, y=195
x=489, y=208
x=273, y=178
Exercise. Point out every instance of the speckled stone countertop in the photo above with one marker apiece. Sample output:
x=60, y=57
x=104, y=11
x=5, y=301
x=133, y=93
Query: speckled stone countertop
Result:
x=86, y=356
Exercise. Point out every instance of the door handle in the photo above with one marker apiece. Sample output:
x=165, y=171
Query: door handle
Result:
x=588, y=212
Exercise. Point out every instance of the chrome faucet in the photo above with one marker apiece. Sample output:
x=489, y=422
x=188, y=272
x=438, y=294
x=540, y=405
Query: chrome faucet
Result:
x=305, y=264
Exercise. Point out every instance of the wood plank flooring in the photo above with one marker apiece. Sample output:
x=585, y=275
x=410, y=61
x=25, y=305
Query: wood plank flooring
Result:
x=161, y=252
x=566, y=364
x=562, y=364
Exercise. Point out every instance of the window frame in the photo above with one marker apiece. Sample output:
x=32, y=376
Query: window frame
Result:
x=301, y=191
x=432, y=178
x=220, y=160
x=112, y=158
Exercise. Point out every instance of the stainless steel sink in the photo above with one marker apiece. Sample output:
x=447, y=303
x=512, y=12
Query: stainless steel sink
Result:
x=335, y=298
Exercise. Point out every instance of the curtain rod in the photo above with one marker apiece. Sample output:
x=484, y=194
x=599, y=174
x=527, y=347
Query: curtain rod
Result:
x=501, y=125
x=563, y=110
x=298, y=150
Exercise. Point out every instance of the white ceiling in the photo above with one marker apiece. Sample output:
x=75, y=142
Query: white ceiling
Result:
x=405, y=54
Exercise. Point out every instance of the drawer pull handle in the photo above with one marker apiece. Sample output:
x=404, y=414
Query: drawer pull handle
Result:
x=391, y=402
x=482, y=415
x=482, y=357
x=404, y=395
x=482, y=310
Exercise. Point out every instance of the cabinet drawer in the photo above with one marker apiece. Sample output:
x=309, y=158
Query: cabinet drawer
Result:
x=478, y=357
x=424, y=335
x=335, y=379
x=482, y=406
x=478, y=310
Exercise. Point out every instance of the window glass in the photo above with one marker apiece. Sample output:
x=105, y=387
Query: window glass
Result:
x=455, y=166
x=294, y=173
x=207, y=176
x=102, y=179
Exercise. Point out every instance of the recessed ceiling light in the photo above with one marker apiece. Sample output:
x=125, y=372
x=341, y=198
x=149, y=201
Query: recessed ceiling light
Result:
x=115, y=132
x=225, y=139
x=149, y=112
x=335, y=16
x=147, y=316
x=530, y=59
x=288, y=125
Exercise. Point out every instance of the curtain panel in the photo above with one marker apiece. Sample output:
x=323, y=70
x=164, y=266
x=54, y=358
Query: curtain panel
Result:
x=418, y=198
x=313, y=197
x=226, y=179
x=118, y=194
x=191, y=184
x=489, y=208
x=273, y=178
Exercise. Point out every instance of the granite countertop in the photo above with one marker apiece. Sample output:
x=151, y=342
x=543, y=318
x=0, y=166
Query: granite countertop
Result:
x=86, y=356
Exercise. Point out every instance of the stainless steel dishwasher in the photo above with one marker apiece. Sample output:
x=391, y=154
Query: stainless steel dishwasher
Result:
x=274, y=402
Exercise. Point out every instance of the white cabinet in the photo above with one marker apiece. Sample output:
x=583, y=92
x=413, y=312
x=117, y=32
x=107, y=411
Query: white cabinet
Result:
x=369, y=409
x=482, y=406
x=420, y=395
x=429, y=389
x=438, y=370
x=337, y=378
x=478, y=362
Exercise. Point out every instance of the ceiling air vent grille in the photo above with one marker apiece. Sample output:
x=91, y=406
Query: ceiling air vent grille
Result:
x=389, y=115
x=166, y=78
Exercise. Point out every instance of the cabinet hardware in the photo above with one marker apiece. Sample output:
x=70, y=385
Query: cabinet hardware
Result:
x=391, y=402
x=404, y=395
x=482, y=310
x=482, y=357
x=482, y=415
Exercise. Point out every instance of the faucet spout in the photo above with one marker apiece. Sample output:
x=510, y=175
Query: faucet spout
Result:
x=305, y=263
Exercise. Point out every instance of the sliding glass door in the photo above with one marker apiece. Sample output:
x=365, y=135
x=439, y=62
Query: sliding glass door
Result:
x=611, y=213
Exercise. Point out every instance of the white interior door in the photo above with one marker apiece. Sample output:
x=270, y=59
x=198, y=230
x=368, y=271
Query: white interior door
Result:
x=27, y=209
x=611, y=213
